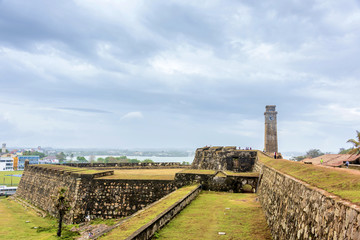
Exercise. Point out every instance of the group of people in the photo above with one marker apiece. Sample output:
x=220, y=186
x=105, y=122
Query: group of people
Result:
x=247, y=148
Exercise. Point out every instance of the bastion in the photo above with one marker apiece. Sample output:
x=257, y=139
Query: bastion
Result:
x=94, y=191
x=224, y=158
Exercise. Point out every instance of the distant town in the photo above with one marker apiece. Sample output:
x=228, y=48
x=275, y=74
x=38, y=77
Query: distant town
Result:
x=14, y=158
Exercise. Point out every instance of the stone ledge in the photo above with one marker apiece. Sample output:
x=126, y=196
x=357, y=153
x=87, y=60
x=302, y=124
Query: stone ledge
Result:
x=148, y=230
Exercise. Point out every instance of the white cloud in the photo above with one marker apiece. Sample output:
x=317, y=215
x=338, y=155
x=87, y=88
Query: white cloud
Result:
x=205, y=60
x=132, y=115
x=50, y=65
x=247, y=128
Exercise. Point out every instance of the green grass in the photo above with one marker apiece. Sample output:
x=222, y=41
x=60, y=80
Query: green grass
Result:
x=208, y=214
x=108, y=222
x=13, y=223
x=198, y=171
x=143, y=217
x=244, y=174
x=70, y=169
x=144, y=174
x=340, y=182
x=6, y=180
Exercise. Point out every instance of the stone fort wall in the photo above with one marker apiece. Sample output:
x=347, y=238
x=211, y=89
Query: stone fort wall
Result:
x=114, y=198
x=219, y=181
x=296, y=210
x=105, y=198
x=40, y=186
x=224, y=158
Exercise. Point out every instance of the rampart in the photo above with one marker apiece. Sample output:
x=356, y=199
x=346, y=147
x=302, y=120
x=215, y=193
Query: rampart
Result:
x=149, y=229
x=89, y=195
x=40, y=186
x=114, y=198
x=224, y=158
x=126, y=165
x=296, y=210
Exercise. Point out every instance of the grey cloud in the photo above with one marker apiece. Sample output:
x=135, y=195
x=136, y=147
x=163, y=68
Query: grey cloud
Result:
x=245, y=55
x=89, y=110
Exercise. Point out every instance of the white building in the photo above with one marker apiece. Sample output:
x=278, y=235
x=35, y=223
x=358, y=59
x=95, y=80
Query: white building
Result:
x=6, y=164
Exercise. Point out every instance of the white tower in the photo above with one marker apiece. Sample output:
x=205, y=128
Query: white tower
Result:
x=3, y=149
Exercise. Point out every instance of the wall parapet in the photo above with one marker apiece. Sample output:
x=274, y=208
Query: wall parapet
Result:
x=149, y=229
x=297, y=210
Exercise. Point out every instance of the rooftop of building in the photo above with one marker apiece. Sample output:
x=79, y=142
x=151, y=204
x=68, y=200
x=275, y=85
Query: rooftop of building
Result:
x=332, y=160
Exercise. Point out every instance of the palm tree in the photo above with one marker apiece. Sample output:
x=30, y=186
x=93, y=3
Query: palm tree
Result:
x=356, y=148
x=62, y=206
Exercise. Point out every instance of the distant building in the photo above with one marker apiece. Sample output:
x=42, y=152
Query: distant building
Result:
x=6, y=164
x=49, y=160
x=19, y=161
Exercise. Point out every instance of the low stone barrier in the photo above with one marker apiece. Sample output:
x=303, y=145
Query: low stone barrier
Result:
x=148, y=230
x=297, y=210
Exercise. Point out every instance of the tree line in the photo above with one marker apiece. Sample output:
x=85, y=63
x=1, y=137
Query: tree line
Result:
x=313, y=153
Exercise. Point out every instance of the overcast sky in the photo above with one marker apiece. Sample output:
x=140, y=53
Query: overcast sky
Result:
x=179, y=74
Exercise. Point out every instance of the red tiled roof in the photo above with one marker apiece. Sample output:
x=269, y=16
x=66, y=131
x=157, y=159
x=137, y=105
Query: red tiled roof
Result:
x=333, y=160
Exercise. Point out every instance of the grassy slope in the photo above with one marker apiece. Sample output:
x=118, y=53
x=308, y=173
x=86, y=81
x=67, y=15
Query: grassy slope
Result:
x=207, y=215
x=13, y=224
x=342, y=183
x=130, y=226
x=244, y=174
x=198, y=171
x=70, y=169
x=153, y=174
x=6, y=180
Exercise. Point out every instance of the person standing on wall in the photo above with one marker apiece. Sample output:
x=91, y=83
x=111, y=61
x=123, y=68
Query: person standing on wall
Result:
x=347, y=164
x=274, y=155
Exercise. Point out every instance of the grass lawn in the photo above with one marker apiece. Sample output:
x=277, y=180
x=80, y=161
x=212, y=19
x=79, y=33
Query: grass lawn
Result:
x=143, y=217
x=198, y=171
x=243, y=174
x=13, y=223
x=70, y=169
x=236, y=214
x=340, y=182
x=157, y=174
x=6, y=180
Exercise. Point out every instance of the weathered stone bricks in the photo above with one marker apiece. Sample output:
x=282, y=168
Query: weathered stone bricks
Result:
x=100, y=198
x=296, y=210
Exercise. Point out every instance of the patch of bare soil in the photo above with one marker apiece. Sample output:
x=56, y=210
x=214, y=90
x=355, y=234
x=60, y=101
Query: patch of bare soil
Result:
x=88, y=230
